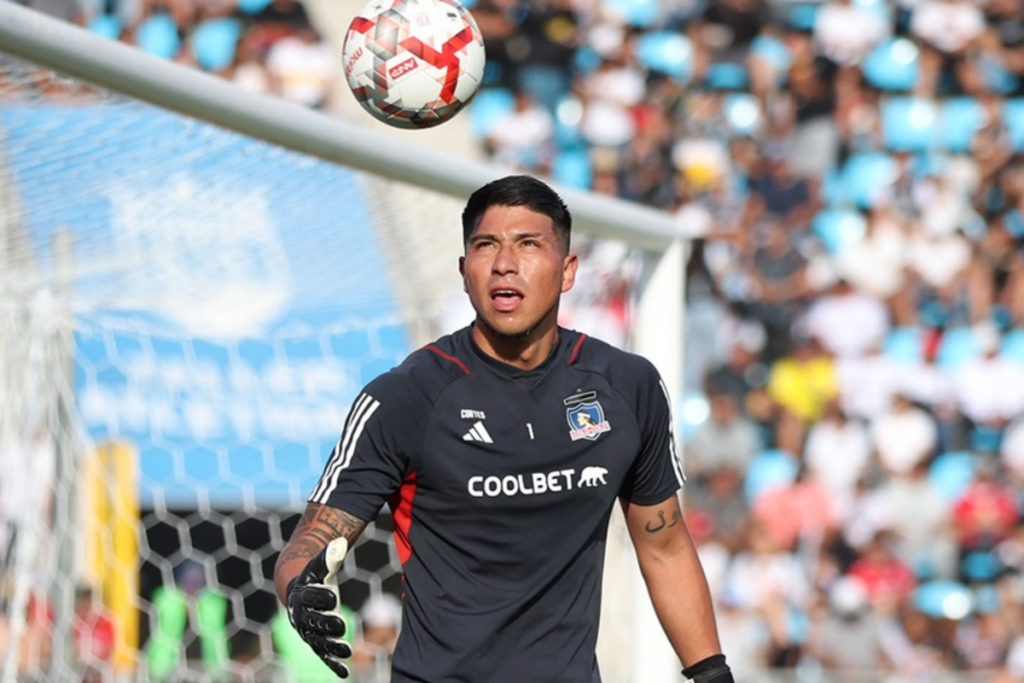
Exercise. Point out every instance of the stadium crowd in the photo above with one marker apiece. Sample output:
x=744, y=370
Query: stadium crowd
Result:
x=851, y=175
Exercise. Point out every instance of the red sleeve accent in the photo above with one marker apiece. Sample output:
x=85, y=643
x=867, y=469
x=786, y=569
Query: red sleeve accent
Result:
x=462, y=366
x=576, y=349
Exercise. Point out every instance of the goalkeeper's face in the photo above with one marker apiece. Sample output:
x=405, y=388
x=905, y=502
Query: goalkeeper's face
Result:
x=515, y=271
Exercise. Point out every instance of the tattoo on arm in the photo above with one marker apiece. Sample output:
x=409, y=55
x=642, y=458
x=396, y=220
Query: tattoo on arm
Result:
x=664, y=524
x=319, y=526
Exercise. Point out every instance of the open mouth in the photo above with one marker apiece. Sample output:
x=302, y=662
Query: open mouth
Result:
x=506, y=300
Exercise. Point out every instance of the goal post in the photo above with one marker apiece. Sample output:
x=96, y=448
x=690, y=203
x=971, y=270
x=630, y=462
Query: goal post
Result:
x=195, y=402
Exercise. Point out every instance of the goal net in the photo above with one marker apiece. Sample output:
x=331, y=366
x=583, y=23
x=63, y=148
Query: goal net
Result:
x=187, y=313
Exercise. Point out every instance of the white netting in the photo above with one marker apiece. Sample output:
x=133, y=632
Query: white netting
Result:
x=186, y=316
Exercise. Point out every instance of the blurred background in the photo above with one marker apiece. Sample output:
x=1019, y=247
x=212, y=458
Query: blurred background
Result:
x=850, y=178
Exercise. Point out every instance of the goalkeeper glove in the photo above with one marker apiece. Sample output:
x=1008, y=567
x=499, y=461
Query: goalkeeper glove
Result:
x=314, y=600
x=712, y=669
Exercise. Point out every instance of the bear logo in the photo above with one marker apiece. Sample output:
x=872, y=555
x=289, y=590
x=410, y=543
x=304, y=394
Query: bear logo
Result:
x=592, y=476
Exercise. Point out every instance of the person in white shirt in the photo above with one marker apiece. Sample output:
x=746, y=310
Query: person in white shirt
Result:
x=848, y=323
x=845, y=33
x=947, y=25
x=903, y=437
x=990, y=389
x=838, y=453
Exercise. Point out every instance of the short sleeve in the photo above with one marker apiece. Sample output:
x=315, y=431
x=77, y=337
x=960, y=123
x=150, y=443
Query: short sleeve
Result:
x=657, y=472
x=372, y=456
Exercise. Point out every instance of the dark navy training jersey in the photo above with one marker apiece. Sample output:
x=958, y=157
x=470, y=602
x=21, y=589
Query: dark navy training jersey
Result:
x=501, y=482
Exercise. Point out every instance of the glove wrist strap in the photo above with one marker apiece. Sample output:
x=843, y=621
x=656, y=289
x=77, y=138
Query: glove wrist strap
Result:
x=712, y=665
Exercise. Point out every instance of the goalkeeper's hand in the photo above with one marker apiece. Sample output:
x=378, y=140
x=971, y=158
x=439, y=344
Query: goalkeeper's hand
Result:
x=314, y=601
x=710, y=670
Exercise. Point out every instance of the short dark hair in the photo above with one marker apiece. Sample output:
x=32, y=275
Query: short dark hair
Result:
x=518, y=190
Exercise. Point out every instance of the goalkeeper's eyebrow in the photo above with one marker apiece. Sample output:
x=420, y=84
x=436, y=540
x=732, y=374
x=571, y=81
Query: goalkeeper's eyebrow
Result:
x=518, y=237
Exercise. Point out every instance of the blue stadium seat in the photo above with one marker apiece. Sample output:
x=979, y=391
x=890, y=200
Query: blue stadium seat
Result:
x=742, y=112
x=864, y=178
x=215, y=41
x=1013, y=115
x=892, y=65
x=1012, y=346
x=774, y=51
x=637, y=13
x=573, y=168
x=666, y=52
x=903, y=346
x=106, y=25
x=910, y=124
x=727, y=76
x=802, y=15
x=957, y=346
x=880, y=7
x=252, y=6
x=568, y=116
x=488, y=108
x=768, y=469
x=586, y=59
x=545, y=84
x=158, y=35
x=951, y=472
x=997, y=78
x=943, y=599
x=837, y=228
x=959, y=120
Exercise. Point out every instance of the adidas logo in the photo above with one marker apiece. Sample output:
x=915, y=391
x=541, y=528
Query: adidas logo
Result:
x=478, y=433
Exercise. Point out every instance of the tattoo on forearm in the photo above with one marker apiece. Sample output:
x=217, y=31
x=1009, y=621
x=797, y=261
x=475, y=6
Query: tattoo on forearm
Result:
x=319, y=526
x=664, y=524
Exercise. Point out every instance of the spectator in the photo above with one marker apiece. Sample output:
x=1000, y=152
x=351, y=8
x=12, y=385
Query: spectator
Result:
x=780, y=192
x=381, y=620
x=844, y=33
x=778, y=283
x=838, y=453
x=801, y=385
x=884, y=576
x=523, y=138
x=987, y=511
x=719, y=500
x=189, y=636
x=846, y=637
x=804, y=512
x=903, y=437
x=767, y=581
x=946, y=28
x=301, y=68
x=918, y=520
x=989, y=390
x=868, y=382
x=727, y=439
x=848, y=323
x=94, y=637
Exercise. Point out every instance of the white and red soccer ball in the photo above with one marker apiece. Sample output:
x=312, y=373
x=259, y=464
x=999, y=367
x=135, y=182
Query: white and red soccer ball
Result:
x=413, y=63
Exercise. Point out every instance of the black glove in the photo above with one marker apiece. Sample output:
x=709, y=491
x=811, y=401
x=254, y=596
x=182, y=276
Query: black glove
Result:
x=710, y=670
x=314, y=599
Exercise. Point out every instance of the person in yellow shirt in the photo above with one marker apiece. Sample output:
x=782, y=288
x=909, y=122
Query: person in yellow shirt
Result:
x=801, y=384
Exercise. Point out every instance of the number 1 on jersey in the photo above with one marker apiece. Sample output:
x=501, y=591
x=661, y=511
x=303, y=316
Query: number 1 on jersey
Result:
x=529, y=428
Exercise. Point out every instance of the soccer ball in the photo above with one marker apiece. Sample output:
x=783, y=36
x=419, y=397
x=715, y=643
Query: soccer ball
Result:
x=413, y=63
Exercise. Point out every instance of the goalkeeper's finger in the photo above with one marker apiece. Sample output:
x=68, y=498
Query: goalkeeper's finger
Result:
x=321, y=623
x=328, y=647
x=337, y=666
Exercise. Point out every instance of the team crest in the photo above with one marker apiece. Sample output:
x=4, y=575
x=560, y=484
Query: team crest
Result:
x=586, y=421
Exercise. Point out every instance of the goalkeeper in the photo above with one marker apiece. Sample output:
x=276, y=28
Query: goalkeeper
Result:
x=501, y=450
